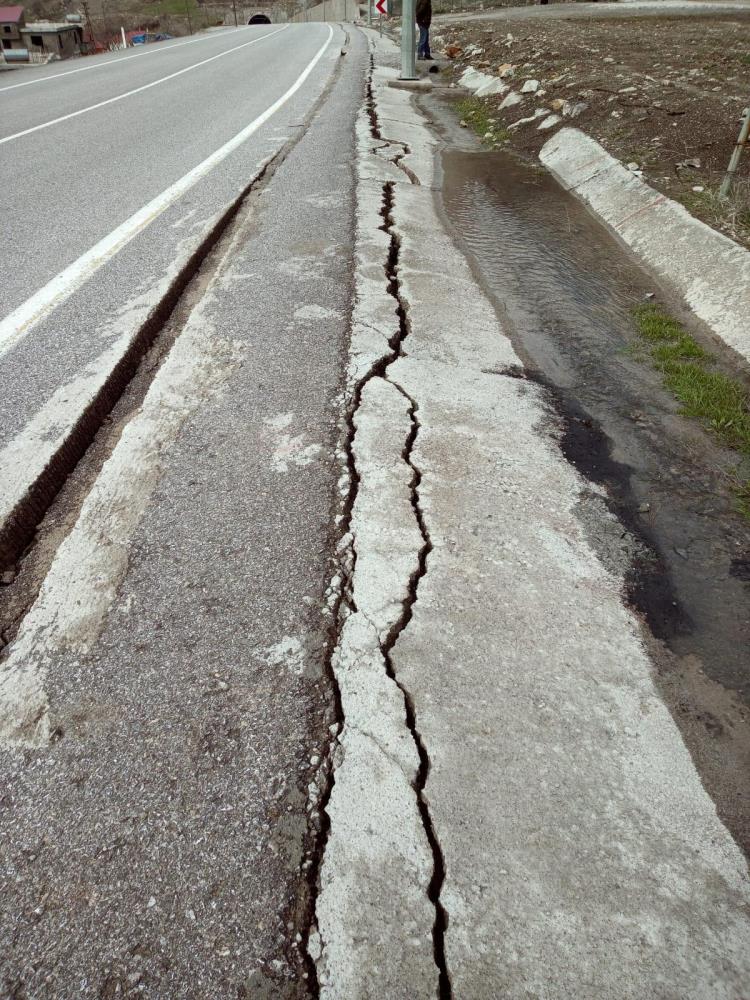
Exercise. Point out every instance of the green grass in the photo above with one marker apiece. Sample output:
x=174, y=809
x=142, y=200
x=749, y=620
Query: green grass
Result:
x=720, y=403
x=477, y=116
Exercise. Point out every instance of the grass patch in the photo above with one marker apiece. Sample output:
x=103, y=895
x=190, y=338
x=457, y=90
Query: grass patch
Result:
x=477, y=116
x=720, y=403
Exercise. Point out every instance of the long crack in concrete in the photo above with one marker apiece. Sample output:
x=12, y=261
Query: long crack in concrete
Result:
x=361, y=626
x=438, y=875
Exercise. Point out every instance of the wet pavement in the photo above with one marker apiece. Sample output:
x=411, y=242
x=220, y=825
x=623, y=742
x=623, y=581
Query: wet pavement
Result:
x=565, y=291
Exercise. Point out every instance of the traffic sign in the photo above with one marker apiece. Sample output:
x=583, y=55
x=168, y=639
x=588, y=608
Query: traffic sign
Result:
x=382, y=6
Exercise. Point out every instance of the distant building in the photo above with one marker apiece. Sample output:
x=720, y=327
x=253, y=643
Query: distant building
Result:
x=12, y=23
x=39, y=38
x=60, y=39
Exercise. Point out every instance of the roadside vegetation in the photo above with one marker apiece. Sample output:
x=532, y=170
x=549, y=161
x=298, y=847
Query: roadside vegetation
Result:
x=475, y=114
x=179, y=8
x=176, y=17
x=730, y=214
x=720, y=403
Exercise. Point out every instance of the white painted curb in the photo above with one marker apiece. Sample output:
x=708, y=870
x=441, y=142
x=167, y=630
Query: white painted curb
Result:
x=710, y=271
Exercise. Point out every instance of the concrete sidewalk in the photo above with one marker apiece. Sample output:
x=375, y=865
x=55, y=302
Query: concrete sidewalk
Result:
x=514, y=811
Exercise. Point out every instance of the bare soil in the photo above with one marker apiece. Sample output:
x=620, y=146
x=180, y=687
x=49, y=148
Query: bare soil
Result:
x=665, y=94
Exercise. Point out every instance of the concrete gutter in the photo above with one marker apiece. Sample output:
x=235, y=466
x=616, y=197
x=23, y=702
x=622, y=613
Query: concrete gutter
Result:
x=708, y=270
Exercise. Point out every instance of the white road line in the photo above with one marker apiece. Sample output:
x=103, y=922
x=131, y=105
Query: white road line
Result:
x=148, y=50
x=17, y=324
x=138, y=90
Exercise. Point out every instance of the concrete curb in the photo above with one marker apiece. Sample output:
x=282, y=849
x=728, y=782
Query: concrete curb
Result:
x=708, y=270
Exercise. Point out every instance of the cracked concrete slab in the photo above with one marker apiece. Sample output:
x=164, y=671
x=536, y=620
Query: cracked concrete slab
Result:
x=373, y=915
x=374, y=919
x=374, y=314
x=401, y=122
x=386, y=535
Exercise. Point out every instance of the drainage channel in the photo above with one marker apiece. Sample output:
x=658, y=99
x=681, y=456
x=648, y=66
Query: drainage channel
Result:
x=32, y=536
x=565, y=291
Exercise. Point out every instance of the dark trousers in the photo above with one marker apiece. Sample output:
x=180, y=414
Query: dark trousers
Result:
x=423, y=49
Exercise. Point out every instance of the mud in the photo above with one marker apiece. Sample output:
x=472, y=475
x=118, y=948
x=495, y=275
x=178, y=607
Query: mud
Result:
x=564, y=291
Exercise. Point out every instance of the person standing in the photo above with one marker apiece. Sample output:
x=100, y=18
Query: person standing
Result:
x=424, y=20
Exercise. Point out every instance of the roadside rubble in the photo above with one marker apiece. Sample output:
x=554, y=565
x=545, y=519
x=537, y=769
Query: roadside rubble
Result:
x=664, y=96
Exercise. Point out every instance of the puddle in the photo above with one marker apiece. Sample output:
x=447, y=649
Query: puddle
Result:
x=564, y=291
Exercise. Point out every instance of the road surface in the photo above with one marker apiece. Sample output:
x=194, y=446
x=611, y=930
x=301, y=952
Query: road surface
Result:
x=163, y=840
x=119, y=171
x=320, y=681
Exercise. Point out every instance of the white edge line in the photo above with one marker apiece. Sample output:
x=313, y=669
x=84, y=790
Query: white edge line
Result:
x=138, y=90
x=116, y=62
x=17, y=324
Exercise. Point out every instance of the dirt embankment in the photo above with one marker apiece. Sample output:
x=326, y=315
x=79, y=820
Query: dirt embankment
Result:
x=664, y=95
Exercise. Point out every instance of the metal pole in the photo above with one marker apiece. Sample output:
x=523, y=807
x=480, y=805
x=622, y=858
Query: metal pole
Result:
x=187, y=11
x=408, y=54
x=234, y=8
x=369, y=13
x=736, y=154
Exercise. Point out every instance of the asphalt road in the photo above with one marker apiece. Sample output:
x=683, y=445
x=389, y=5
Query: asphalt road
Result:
x=162, y=843
x=91, y=156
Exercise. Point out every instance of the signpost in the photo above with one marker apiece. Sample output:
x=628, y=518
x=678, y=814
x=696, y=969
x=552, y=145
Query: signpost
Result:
x=382, y=8
x=408, y=40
